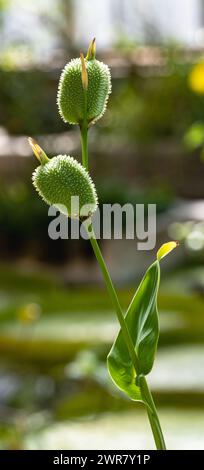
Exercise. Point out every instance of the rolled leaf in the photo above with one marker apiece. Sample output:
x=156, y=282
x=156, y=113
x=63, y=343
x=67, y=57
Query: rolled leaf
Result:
x=143, y=324
x=165, y=249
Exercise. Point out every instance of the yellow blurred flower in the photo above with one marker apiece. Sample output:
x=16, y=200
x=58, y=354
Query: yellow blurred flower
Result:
x=196, y=78
x=29, y=313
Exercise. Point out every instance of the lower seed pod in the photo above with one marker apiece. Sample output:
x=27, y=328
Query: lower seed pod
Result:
x=64, y=183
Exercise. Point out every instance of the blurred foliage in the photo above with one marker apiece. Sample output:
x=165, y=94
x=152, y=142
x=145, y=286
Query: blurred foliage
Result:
x=114, y=191
x=191, y=233
x=24, y=227
x=194, y=136
x=145, y=109
x=20, y=208
x=142, y=107
x=53, y=369
x=87, y=313
x=28, y=102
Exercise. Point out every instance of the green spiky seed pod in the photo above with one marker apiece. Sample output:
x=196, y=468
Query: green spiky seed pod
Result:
x=61, y=178
x=82, y=99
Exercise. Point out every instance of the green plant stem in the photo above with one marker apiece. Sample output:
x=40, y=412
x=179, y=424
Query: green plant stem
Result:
x=152, y=414
x=115, y=301
x=84, y=145
x=145, y=392
x=84, y=135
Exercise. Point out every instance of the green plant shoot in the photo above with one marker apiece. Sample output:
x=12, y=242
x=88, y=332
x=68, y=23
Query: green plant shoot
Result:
x=143, y=323
x=83, y=92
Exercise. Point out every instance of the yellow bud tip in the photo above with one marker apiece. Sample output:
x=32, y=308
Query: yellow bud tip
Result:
x=91, y=53
x=38, y=151
x=84, y=74
x=166, y=248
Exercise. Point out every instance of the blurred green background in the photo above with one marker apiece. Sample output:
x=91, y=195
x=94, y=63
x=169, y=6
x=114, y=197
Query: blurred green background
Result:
x=56, y=320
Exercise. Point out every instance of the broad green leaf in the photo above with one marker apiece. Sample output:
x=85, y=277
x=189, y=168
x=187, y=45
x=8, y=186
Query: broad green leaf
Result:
x=142, y=321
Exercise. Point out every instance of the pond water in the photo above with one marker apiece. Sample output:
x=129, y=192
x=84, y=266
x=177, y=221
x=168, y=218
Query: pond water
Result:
x=130, y=430
x=55, y=391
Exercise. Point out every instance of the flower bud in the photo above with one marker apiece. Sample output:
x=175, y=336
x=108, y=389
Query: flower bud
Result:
x=84, y=88
x=62, y=181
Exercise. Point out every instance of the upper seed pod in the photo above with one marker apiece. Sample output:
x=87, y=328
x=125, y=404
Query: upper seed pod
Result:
x=84, y=88
x=62, y=181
